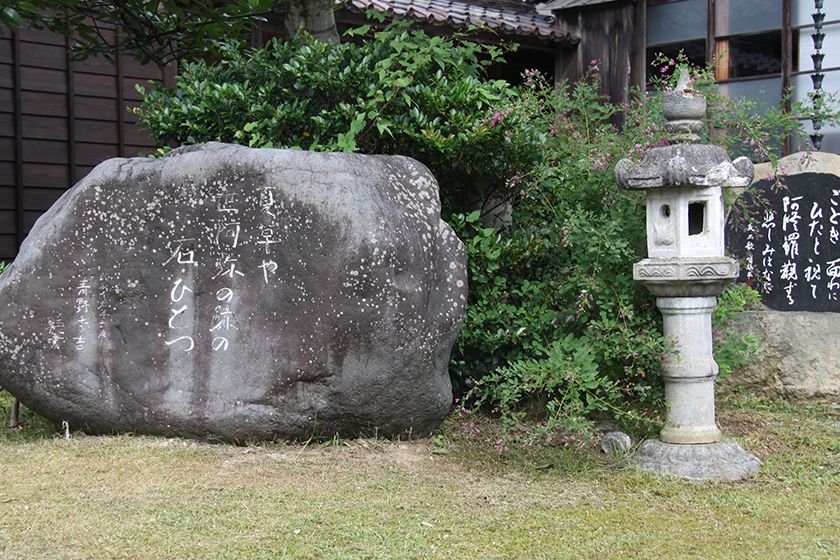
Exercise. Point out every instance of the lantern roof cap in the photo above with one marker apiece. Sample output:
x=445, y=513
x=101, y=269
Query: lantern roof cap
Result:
x=684, y=165
x=684, y=162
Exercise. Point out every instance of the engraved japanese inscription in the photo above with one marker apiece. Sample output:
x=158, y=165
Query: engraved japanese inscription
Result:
x=789, y=242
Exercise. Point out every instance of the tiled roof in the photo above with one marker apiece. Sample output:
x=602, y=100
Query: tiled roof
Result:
x=564, y=4
x=518, y=18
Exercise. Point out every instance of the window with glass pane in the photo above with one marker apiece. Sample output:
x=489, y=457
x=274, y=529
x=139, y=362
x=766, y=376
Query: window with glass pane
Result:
x=676, y=21
x=748, y=38
x=755, y=55
x=734, y=17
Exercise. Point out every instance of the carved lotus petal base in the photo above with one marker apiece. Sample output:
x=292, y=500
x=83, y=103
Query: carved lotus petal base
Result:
x=724, y=461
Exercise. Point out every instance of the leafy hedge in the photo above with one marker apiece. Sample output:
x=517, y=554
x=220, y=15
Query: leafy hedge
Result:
x=555, y=317
x=396, y=91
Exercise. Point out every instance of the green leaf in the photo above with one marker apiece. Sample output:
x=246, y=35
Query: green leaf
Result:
x=11, y=17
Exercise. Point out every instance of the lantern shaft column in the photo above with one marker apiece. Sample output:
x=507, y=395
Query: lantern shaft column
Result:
x=689, y=372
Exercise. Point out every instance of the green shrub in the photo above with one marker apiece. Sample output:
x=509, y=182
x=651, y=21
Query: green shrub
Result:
x=396, y=91
x=732, y=347
x=555, y=316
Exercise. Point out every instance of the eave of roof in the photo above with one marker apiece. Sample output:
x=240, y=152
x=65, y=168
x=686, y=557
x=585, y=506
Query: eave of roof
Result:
x=554, y=5
x=516, y=18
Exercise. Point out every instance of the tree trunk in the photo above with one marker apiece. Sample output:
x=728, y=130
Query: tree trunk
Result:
x=317, y=16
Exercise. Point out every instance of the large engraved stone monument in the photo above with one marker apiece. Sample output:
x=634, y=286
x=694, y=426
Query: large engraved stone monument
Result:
x=231, y=293
x=686, y=269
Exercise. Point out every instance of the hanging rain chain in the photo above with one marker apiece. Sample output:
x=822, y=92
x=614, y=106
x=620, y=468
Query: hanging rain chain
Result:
x=817, y=76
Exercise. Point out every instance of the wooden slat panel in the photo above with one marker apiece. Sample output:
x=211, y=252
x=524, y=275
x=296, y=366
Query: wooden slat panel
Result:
x=36, y=36
x=7, y=198
x=132, y=151
x=94, y=154
x=7, y=99
x=96, y=131
x=7, y=149
x=133, y=69
x=43, y=56
x=128, y=88
x=95, y=84
x=46, y=128
x=82, y=171
x=121, y=105
x=7, y=247
x=40, y=200
x=44, y=151
x=71, y=110
x=5, y=50
x=138, y=135
x=7, y=124
x=29, y=219
x=7, y=173
x=96, y=65
x=7, y=222
x=46, y=175
x=41, y=79
x=96, y=108
x=7, y=78
x=49, y=104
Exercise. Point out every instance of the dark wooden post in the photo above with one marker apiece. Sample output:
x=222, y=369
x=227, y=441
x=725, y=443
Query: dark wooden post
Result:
x=18, y=141
x=14, y=415
x=787, y=60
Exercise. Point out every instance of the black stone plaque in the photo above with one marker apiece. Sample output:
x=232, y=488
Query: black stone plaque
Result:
x=788, y=241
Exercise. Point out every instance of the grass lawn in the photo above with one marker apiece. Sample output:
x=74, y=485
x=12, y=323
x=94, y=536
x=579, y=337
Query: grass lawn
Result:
x=453, y=496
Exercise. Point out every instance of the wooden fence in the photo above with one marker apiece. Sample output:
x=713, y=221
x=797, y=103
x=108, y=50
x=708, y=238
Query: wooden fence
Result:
x=59, y=119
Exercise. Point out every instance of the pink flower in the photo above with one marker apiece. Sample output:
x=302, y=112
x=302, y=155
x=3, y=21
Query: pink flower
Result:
x=500, y=447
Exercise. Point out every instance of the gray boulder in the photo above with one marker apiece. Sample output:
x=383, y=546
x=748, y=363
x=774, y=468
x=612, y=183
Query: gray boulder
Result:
x=799, y=356
x=614, y=443
x=229, y=293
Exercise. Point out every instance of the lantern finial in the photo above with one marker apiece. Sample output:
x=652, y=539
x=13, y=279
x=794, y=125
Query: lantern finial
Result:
x=685, y=109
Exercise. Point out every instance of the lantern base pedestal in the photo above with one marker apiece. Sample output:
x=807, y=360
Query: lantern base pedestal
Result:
x=723, y=461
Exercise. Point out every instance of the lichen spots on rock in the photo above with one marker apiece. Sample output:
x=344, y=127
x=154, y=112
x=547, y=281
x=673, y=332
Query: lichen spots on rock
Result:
x=236, y=293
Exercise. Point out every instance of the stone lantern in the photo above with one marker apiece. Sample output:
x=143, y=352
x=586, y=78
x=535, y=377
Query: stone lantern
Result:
x=686, y=270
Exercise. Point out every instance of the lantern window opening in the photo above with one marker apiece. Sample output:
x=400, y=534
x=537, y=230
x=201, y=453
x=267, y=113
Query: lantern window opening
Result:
x=696, y=217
